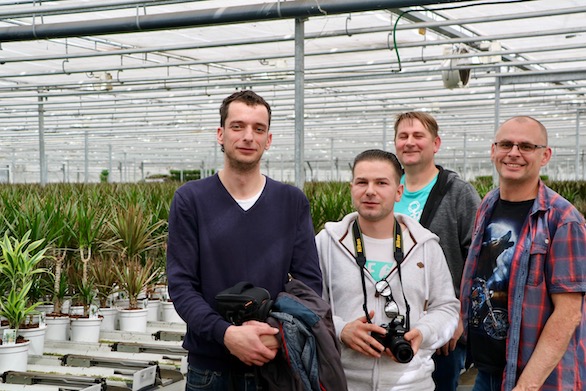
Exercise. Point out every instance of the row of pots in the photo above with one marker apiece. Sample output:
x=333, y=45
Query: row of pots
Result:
x=80, y=329
x=114, y=318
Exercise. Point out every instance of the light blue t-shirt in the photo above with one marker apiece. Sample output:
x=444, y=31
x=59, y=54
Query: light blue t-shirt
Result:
x=412, y=203
x=379, y=256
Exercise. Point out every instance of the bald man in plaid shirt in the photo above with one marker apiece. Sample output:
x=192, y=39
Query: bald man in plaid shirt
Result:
x=524, y=280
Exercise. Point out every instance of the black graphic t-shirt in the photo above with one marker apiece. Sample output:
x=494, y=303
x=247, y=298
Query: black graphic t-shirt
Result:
x=488, y=325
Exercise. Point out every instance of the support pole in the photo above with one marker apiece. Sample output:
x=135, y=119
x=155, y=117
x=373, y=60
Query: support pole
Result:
x=577, y=161
x=385, y=124
x=110, y=172
x=497, y=120
x=42, y=157
x=86, y=164
x=299, y=101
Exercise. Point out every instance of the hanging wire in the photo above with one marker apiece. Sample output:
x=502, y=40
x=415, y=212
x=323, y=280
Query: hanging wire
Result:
x=395, y=46
x=349, y=18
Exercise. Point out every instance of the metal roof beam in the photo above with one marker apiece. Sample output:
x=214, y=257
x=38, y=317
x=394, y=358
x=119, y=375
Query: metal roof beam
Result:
x=218, y=16
x=543, y=77
x=40, y=10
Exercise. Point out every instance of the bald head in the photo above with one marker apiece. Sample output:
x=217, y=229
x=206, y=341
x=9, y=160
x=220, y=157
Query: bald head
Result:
x=525, y=119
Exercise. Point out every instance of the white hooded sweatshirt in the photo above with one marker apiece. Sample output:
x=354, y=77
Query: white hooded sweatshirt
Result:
x=428, y=288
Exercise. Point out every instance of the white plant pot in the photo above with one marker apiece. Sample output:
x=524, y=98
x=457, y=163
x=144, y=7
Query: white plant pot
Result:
x=133, y=320
x=160, y=293
x=153, y=308
x=109, y=318
x=46, y=308
x=76, y=310
x=122, y=303
x=65, y=306
x=85, y=330
x=57, y=328
x=14, y=357
x=169, y=313
x=36, y=336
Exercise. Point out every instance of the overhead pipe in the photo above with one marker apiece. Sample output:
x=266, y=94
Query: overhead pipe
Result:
x=326, y=34
x=39, y=10
x=224, y=15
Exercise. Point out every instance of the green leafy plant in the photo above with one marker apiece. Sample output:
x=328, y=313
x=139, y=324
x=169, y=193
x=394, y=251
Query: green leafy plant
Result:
x=15, y=308
x=134, y=232
x=105, y=280
x=134, y=277
x=328, y=201
x=61, y=237
x=104, y=176
x=20, y=258
x=19, y=264
x=86, y=293
x=88, y=224
x=60, y=292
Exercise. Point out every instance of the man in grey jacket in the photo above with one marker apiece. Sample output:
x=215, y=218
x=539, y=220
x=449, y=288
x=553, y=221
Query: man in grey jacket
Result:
x=385, y=268
x=446, y=205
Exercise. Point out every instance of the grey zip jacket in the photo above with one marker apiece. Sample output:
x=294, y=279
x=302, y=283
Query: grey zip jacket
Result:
x=427, y=285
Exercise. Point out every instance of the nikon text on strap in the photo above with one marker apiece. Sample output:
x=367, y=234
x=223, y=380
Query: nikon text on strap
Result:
x=399, y=256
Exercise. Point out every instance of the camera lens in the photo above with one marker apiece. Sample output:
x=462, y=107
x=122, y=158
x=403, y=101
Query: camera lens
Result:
x=401, y=349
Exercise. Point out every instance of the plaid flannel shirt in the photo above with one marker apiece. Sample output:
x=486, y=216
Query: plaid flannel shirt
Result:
x=550, y=258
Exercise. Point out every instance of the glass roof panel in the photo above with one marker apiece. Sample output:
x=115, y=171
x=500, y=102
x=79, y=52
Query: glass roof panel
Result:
x=152, y=97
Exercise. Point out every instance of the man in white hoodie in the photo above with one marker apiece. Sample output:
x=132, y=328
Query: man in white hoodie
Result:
x=385, y=269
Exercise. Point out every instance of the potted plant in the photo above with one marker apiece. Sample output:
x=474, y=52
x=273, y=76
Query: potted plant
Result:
x=87, y=226
x=15, y=307
x=134, y=234
x=155, y=291
x=14, y=348
x=86, y=327
x=19, y=263
x=59, y=236
x=58, y=321
x=134, y=277
x=34, y=327
x=106, y=283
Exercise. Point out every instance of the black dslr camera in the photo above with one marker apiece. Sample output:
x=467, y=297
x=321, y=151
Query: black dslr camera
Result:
x=394, y=339
x=244, y=302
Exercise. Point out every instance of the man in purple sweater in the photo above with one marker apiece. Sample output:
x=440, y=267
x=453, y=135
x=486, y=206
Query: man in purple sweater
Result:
x=237, y=225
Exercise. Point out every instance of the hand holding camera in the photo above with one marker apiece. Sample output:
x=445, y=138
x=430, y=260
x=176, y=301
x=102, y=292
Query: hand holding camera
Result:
x=247, y=306
x=394, y=339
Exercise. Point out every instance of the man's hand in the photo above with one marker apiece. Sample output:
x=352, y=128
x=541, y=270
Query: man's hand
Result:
x=451, y=345
x=270, y=341
x=356, y=335
x=245, y=342
x=414, y=337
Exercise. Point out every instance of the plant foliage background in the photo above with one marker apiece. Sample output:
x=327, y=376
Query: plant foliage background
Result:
x=115, y=223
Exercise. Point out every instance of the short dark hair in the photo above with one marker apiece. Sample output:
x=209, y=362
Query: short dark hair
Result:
x=426, y=120
x=379, y=154
x=249, y=97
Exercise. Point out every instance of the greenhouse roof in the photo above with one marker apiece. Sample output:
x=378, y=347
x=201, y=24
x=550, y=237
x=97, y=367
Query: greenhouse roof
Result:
x=135, y=86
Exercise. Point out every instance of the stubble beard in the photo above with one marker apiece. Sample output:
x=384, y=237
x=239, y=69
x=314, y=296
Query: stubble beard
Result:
x=242, y=166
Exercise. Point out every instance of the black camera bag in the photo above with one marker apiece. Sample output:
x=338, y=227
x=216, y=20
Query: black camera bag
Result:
x=244, y=302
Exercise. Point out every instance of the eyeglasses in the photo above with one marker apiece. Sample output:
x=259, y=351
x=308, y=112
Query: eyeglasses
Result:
x=384, y=289
x=506, y=146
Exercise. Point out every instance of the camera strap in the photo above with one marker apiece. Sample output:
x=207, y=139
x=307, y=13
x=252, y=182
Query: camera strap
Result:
x=398, y=254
